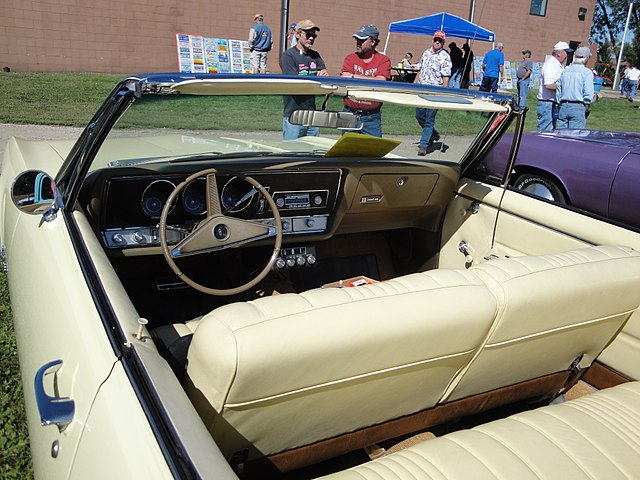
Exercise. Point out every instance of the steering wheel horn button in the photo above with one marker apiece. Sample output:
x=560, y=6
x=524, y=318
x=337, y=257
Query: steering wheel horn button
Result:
x=221, y=232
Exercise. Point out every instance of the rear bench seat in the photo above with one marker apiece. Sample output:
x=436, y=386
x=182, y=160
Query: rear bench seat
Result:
x=594, y=437
x=303, y=377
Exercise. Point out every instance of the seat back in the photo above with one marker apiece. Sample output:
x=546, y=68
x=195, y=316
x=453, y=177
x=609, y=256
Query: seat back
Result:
x=552, y=309
x=285, y=371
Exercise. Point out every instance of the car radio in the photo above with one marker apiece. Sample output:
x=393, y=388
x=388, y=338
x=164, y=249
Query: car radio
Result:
x=301, y=200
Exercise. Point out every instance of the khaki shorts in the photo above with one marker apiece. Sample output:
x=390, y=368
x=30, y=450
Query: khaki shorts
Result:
x=259, y=60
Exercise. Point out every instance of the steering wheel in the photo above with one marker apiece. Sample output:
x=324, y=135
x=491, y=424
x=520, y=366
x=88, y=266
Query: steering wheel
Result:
x=219, y=232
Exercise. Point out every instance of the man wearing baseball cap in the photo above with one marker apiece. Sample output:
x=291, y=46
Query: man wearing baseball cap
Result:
x=574, y=91
x=260, y=43
x=524, y=77
x=301, y=60
x=435, y=69
x=549, y=75
x=493, y=68
x=366, y=62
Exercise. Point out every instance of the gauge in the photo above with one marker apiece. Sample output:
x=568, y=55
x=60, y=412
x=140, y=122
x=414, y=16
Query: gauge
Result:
x=155, y=196
x=193, y=199
x=233, y=194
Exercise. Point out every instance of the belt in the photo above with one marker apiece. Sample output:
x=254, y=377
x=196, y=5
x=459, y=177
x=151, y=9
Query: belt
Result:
x=541, y=100
x=364, y=112
x=572, y=101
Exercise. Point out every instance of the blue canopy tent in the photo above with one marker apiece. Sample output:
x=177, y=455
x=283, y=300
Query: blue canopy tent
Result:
x=451, y=25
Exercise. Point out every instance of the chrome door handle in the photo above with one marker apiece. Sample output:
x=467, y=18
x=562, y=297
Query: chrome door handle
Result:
x=53, y=410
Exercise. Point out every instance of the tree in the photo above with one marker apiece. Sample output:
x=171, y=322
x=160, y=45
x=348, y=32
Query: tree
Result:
x=609, y=20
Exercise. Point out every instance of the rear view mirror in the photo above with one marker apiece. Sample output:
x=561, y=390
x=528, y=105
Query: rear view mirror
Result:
x=327, y=119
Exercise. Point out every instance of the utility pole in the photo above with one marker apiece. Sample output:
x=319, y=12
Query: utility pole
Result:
x=624, y=36
x=284, y=25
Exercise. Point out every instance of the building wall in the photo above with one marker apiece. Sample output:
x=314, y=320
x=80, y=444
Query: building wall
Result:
x=136, y=36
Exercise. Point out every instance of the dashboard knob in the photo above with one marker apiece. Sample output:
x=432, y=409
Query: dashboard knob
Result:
x=286, y=225
x=310, y=222
x=279, y=202
x=117, y=238
x=291, y=262
x=280, y=263
x=311, y=260
x=301, y=261
x=317, y=200
x=137, y=237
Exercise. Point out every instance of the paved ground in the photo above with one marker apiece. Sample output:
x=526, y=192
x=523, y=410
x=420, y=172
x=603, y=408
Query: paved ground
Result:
x=35, y=132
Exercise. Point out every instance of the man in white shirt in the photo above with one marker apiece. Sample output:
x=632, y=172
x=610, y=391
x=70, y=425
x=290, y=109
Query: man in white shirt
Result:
x=632, y=75
x=549, y=75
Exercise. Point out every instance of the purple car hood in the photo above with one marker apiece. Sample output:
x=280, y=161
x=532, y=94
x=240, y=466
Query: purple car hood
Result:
x=626, y=140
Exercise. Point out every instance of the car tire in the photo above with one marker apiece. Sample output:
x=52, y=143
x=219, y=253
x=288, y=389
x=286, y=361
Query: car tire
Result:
x=540, y=186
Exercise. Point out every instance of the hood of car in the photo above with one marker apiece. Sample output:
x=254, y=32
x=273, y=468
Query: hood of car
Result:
x=626, y=140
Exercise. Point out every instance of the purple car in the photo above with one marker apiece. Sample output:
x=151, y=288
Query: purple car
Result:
x=592, y=170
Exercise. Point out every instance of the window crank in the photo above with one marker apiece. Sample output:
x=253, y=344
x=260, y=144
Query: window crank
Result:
x=464, y=249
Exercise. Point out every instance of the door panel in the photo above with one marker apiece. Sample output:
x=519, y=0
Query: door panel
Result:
x=528, y=226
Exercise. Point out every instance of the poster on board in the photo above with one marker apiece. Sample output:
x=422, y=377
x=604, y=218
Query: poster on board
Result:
x=197, y=54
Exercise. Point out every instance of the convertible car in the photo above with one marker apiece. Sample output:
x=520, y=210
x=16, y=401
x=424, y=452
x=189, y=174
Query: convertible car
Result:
x=195, y=297
x=593, y=170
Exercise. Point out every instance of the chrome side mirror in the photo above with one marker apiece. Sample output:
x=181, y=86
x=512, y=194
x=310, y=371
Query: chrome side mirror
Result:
x=33, y=191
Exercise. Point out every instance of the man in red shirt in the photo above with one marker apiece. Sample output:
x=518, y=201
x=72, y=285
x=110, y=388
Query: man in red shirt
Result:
x=366, y=62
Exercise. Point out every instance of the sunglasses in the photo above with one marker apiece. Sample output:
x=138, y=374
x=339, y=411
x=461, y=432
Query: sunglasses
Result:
x=439, y=40
x=312, y=34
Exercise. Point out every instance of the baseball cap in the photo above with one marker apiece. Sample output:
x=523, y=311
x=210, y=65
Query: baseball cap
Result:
x=583, y=52
x=306, y=25
x=439, y=34
x=367, y=31
x=562, y=46
x=258, y=16
x=526, y=51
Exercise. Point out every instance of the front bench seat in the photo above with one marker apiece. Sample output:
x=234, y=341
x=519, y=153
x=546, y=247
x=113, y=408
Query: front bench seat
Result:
x=284, y=371
x=593, y=437
x=554, y=310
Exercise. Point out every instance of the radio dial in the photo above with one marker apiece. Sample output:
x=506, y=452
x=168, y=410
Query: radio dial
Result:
x=279, y=202
x=317, y=200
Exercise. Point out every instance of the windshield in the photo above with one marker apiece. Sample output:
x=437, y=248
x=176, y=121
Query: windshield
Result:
x=198, y=121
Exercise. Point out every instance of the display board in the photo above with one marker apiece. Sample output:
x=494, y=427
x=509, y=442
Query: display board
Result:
x=197, y=54
x=509, y=80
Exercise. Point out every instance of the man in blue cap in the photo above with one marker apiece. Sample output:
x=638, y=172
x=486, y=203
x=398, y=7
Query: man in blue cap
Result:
x=366, y=62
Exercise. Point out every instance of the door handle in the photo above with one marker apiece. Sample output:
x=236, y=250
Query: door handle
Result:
x=53, y=410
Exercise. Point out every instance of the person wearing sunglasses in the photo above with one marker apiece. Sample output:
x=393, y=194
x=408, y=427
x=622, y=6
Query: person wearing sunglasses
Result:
x=302, y=60
x=435, y=69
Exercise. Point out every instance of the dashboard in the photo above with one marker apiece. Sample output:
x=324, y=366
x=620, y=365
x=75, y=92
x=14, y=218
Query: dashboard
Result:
x=131, y=204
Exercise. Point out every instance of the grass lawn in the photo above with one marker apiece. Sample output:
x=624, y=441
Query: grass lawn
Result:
x=71, y=99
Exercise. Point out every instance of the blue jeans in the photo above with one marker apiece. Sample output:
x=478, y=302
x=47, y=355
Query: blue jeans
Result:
x=489, y=84
x=371, y=124
x=572, y=116
x=292, y=132
x=545, y=116
x=523, y=88
x=632, y=88
x=426, y=118
x=456, y=77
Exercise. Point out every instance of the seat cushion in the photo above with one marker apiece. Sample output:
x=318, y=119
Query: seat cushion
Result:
x=594, y=437
x=288, y=370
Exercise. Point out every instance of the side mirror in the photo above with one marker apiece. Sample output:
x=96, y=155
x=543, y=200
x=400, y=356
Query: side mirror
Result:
x=33, y=192
x=327, y=119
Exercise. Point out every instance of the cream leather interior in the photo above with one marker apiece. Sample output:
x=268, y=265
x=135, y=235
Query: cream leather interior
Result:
x=553, y=308
x=333, y=360
x=594, y=437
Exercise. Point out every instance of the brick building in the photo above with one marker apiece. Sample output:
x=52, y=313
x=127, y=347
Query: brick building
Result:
x=135, y=36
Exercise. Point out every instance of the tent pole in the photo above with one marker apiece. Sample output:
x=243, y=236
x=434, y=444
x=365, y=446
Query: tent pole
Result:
x=386, y=42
